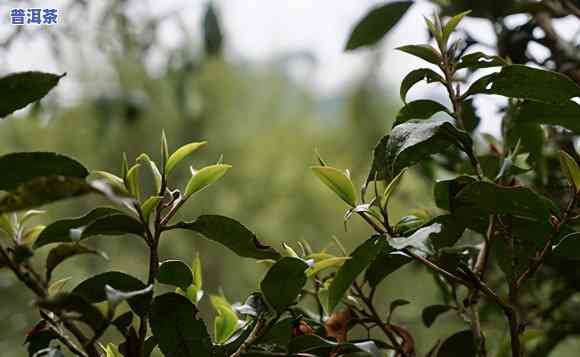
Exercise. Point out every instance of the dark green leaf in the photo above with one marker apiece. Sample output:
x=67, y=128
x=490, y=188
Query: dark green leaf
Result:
x=443, y=231
x=19, y=168
x=123, y=322
x=60, y=231
x=385, y=264
x=43, y=190
x=424, y=52
x=176, y=273
x=49, y=352
x=495, y=199
x=39, y=340
x=569, y=247
x=231, y=234
x=431, y=313
x=360, y=258
x=179, y=333
x=518, y=81
x=445, y=191
x=376, y=23
x=113, y=225
x=115, y=297
x=150, y=344
x=565, y=114
x=284, y=282
x=417, y=76
x=314, y=344
x=415, y=140
x=75, y=303
x=419, y=109
x=478, y=60
x=63, y=252
x=459, y=344
x=17, y=90
x=93, y=289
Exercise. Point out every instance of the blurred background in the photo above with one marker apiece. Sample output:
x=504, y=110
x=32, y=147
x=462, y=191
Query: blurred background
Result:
x=266, y=83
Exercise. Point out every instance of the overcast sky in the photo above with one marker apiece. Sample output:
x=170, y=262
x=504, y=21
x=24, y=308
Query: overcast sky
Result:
x=259, y=30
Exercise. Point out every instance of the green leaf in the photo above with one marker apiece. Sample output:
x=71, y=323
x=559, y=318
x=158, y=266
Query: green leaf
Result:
x=231, y=234
x=360, y=258
x=43, y=190
x=149, y=205
x=226, y=321
x=179, y=333
x=115, y=297
x=176, y=273
x=425, y=52
x=415, y=140
x=60, y=231
x=316, y=345
x=204, y=177
x=113, y=225
x=495, y=199
x=325, y=264
x=112, y=180
x=133, y=182
x=452, y=24
x=112, y=351
x=338, y=182
x=93, y=289
x=419, y=109
x=22, y=167
x=77, y=304
x=440, y=232
x=565, y=114
x=164, y=149
x=63, y=252
x=17, y=90
x=432, y=312
x=570, y=169
x=478, y=60
x=417, y=76
x=459, y=344
x=385, y=264
x=157, y=178
x=376, y=24
x=568, y=248
x=181, y=154
x=519, y=81
x=284, y=282
x=391, y=188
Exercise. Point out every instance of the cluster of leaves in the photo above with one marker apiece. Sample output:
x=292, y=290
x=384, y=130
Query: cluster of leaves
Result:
x=497, y=225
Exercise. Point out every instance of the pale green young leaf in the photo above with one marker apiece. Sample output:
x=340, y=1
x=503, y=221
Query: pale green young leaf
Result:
x=226, y=321
x=125, y=166
x=338, y=182
x=205, y=177
x=197, y=272
x=164, y=149
x=113, y=180
x=132, y=182
x=157, y=178
x=57, y=286
x=291, y=252
x=181, y=154
x=391, y=188
x=149, y=205
x=325, y=264
x=570, y=169
x=452, y=24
